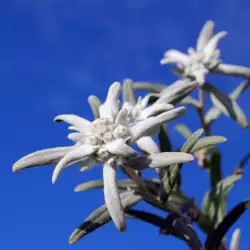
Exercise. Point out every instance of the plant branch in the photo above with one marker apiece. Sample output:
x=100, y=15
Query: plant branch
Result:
x=201, y=112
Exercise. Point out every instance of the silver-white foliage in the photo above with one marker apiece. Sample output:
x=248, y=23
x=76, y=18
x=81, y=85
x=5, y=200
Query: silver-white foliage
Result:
x=106, y=140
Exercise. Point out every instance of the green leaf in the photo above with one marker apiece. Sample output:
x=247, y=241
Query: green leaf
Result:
x=207, y=141
x=214, y=238
x=101, y=216
x=214, y=202
x=99, y=184
x=191, y=141
x=171, y=174
x=239, y=90
x=128, y=92
x=94, y=103
x=215, y=166
x=183, y=130
x=244, y=161
x=164, y=140
x=151, y=87
x=226, y=105
x=213, y=113
x=190, y=101
x=151, y=184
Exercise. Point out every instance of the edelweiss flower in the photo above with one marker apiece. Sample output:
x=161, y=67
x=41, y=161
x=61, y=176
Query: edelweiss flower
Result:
x=105, y=140
x=197, y=63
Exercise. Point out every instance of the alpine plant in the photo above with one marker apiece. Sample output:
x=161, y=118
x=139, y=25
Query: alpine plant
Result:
x=197, y=63
x=107, y=141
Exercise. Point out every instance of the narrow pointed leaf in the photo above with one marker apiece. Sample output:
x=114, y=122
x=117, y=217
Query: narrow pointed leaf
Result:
x=214, y=238
x=244, y=161
x=101, y=216
x=151, y=87
x=123, y=184
x=128, y=92
x=190, y=101
x=213, y=202
x=152, y=185
x=158, y=160
x=213, y=113
x=239, y=90
x=171, y=175
x=232, y=70
x=205, y=35
x=95, y=104
x=183, y=130
x=42, y=157
x=207, y=141
x=226, y=105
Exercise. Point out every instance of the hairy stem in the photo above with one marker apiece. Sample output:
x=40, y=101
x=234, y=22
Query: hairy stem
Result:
x=201, y=112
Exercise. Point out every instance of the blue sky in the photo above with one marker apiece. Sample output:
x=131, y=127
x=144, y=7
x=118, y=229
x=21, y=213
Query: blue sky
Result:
x=53, y=54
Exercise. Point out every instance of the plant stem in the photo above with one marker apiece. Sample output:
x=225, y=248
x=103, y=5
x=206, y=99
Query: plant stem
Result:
x=201, y=112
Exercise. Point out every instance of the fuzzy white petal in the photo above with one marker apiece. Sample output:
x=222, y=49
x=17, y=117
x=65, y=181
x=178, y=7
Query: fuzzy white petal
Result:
x=205, y=35
x=175, y=57
x=200, y=76
x=111, y=195
x=234, y=70
x=42, y=157
x=110, y=108
x=148, y=145
x=80, y=124
x=122, y=117
x=74, y=155
x=159, y=160
x=145, y=127
x=211, y=46
x=144, y=101
x=77, y=137
x=120, y=148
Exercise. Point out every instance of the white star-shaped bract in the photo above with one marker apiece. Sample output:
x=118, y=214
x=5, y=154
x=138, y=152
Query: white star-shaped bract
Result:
x=206, y=58
x=106, y=140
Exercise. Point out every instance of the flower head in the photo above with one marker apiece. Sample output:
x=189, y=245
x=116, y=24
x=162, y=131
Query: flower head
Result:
x=206, y=58
x=106, y=140
x=197, y=63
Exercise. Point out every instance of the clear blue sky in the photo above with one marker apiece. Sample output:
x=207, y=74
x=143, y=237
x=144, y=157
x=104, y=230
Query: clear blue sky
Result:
x=53, y=54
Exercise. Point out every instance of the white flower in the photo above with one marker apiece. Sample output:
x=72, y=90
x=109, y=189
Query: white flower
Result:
x=105, y=140
x=197, y=63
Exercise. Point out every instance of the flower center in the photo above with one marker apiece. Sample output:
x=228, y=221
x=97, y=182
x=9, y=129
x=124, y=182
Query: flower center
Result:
x=103, y=132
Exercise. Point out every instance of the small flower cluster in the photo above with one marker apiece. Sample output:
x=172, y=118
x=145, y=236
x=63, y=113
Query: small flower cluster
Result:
x=205, y=59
